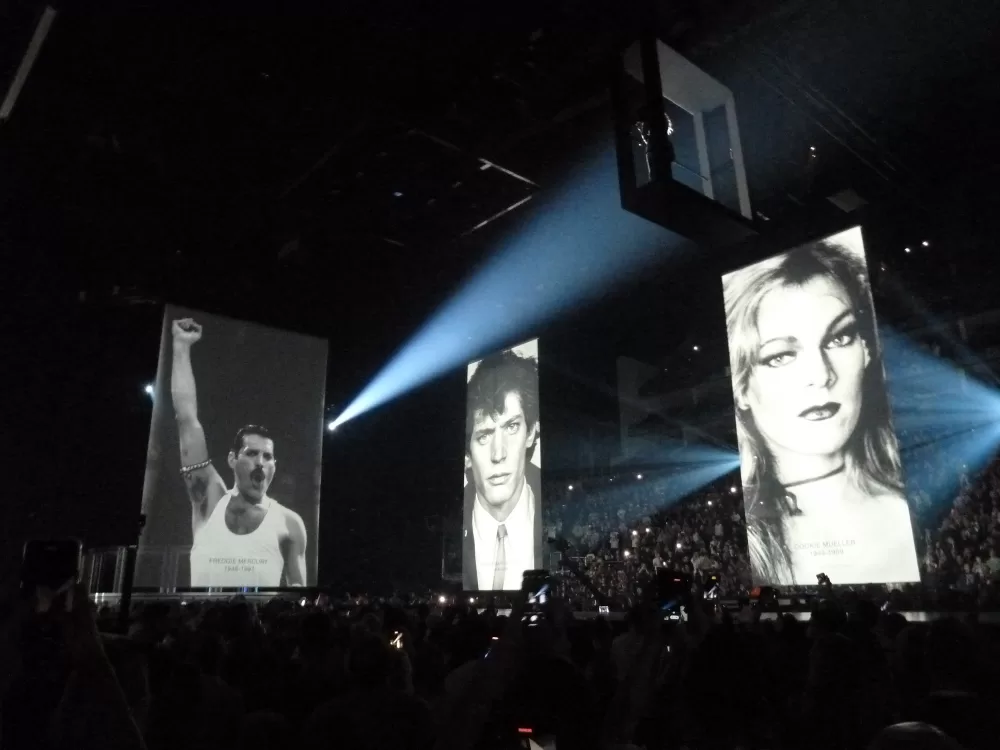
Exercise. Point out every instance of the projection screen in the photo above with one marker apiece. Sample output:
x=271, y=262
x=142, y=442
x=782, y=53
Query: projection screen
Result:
x=823, y=487
x=502, y=505
x=233, y=467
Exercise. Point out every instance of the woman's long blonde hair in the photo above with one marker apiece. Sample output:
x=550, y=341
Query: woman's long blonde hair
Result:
x=872, y=452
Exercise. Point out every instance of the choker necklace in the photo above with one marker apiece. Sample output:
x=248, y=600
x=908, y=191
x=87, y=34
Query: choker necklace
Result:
x=790, y=496
x=815, y=479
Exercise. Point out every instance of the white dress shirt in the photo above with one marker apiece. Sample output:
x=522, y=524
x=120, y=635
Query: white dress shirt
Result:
x=519, y=545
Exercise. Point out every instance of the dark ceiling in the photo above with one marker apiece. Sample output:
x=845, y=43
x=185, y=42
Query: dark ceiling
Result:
x=322, y=169
x=347, y=146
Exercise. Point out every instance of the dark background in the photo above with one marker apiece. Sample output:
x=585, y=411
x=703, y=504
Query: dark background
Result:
x=244, y=374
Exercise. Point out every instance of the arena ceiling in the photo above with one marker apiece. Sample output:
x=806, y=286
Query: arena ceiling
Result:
x=327, y=146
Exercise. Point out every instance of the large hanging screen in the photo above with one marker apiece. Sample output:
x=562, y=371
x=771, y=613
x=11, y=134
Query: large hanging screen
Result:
x=232, y=486
x=823, y=487
x=502, y=507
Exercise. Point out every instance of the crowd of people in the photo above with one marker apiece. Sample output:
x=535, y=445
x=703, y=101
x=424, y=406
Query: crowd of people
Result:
x=620, y=533
x=393, y=675
x=425, y=673
x=438, y=672
x=962, y=551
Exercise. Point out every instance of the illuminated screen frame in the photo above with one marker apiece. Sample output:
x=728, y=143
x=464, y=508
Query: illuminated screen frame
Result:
x=243, y=374
x=822, y=481
x=509, y=373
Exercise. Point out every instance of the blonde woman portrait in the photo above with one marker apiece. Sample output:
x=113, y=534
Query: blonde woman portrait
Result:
x=823, y=486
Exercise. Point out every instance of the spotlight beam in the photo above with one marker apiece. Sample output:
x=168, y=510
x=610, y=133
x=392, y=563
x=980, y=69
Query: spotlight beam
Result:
x=575, y=246
x=923, y=311
x=679, y=471
x=956, y=425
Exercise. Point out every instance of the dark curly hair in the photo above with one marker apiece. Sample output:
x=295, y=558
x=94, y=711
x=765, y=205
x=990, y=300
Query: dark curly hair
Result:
x=497, y=376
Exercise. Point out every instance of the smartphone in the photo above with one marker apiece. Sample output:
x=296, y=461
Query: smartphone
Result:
x=533, y=580
x=673, y=611
x=397, y=640
x=535, y=610
x=537, y=584
x=51, y=566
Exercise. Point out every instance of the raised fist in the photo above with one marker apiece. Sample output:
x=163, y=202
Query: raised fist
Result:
x=185, y=331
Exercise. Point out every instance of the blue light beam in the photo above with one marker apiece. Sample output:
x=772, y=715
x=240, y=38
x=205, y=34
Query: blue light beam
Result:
x=676, y=472
x=946, y=421
x=574, y=247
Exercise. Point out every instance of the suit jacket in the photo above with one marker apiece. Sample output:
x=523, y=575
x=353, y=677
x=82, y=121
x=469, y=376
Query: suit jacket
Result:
x=470, y=580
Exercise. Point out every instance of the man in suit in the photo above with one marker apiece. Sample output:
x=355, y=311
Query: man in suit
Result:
x=502, y=524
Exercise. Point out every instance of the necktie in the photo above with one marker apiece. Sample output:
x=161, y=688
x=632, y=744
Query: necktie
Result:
x=500, y=568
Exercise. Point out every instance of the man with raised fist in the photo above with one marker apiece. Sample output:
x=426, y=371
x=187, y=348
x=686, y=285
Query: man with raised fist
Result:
x=242, y=536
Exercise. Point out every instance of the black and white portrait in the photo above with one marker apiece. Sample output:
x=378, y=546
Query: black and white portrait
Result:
x=823, y=485
x=502, y=513
x=231, y=495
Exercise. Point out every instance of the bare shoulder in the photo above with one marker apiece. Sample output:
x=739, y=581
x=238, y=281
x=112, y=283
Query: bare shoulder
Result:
x=889, y=515
x=891, y=503
x=292, y=520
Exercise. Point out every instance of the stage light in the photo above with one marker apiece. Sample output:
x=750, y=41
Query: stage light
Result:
x=626, y=553
x=709, y=503
x=678, y=545
x=638, y=476
x=397, y=194
x=149, y=389
x=925, y=243
x=579, y=241
x=472, y=600
x=695, y=347
x=647, y=529
x=635, y=532
x=570, y=488
x=906, y=249
x=732, y=490
x=442, y=599
x=812, y=148
x=331, y=426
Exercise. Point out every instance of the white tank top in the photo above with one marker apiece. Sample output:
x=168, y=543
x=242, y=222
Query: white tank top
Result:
x=220, y=558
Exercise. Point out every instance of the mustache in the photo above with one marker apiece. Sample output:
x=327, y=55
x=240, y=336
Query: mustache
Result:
x=257, y=474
